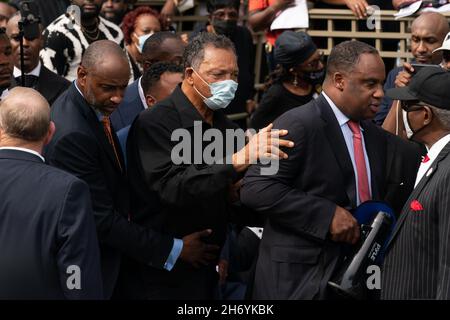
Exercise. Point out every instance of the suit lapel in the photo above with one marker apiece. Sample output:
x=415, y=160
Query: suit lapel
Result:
x=337, y=143
x=44, y=86
x=131, y=104
x=418, y=189
x=97, y=128
x=376, y=152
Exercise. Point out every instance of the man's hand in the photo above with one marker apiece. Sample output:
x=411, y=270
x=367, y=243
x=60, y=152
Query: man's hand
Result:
x=358, y=7
x=397, y=3
x=403, y=77
x=250, y=106
x=167, y=12
x=196, y=252
x=344, y=227
x=283, y=4
x=265, y=144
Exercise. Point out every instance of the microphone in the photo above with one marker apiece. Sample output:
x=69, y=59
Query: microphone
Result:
x=30, y=19
x=350, y=280
x=73, y=12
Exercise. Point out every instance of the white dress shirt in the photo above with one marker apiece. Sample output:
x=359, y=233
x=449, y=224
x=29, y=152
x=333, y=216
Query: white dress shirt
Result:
x=141, y=93
x=432, y=155
x=35, y=72
x=348, y=137
x=24, y=150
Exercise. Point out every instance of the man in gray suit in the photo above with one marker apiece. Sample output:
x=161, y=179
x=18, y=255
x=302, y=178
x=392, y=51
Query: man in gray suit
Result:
x=417, y=265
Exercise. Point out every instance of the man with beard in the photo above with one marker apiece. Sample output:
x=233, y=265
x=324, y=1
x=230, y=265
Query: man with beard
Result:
x=6, y=65
x=67, y=37
x=85, y=146
x=161, y=47
x=37, y=76
x=114, y=10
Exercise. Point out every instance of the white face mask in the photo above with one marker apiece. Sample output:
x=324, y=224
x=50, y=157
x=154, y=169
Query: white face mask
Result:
x=409, y=132
x=142, y=39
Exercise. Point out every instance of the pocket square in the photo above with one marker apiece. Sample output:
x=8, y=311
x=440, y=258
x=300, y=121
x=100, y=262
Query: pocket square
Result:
x=416, y=205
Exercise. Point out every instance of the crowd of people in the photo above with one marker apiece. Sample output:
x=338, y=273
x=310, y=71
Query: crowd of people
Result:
x=123, y=176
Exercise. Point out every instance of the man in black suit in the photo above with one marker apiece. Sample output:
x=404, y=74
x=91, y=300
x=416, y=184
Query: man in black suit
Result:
x=85, y=145
x=37, y=76
x=192, y=194
x=339, y=161
x=417, y=265
x=48, y=243
x=162, y=46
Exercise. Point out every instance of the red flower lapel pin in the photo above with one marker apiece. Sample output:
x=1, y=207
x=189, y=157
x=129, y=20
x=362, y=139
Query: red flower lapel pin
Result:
x=416, y=206
x=425, y=159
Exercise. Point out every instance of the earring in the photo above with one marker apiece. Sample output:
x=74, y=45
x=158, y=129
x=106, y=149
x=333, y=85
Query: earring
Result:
x=295, y=82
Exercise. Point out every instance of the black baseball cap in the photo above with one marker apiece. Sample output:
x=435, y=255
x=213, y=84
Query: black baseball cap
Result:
x=430, y=85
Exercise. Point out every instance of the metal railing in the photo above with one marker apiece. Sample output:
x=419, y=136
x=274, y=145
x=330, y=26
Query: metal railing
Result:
x=329, y=18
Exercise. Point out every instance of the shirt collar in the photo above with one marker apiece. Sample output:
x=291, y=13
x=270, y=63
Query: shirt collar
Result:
x=4, y=94
x=24, y=150
x=97, y=113
x=341, y=118
x=437, y=147
x=189, y=114
x=35, y=72
x=141, y=93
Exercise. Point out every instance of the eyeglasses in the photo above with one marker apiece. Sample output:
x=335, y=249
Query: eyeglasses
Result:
x=222, y=14
x=410, y=106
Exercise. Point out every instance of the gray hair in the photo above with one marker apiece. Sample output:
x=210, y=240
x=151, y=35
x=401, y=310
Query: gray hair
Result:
x=442, y=115
x=25, y=115
x=195, y=50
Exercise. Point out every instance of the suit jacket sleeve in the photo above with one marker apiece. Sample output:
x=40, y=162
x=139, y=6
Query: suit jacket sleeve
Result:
x=443, y=203
x=177, y=185
x=78, y=245
x=285, y=205
x=76, y=154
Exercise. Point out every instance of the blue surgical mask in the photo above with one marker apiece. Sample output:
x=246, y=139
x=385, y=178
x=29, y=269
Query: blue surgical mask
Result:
x=222, y=93
x=142, y=40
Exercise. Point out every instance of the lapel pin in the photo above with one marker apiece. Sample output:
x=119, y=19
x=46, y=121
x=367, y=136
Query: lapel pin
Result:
x=429, y=172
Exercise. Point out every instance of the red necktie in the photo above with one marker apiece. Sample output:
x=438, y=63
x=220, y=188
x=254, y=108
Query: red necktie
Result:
x=363, y=181
x=425, y=159
x=107, y=127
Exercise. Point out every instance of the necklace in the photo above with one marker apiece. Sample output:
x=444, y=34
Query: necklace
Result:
x=91, y=35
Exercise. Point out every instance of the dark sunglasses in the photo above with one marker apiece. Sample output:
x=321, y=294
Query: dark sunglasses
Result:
x=409, y=106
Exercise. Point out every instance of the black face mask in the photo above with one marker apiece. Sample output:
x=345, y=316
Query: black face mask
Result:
x=314, y=78
x=225, y=27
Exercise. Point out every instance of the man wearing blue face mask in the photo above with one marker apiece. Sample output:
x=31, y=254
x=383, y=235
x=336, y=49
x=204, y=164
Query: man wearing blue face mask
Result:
x=223, y=19
x=194, y=194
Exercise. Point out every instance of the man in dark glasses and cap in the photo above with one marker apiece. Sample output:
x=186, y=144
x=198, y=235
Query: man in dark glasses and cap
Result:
x=417, y=264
